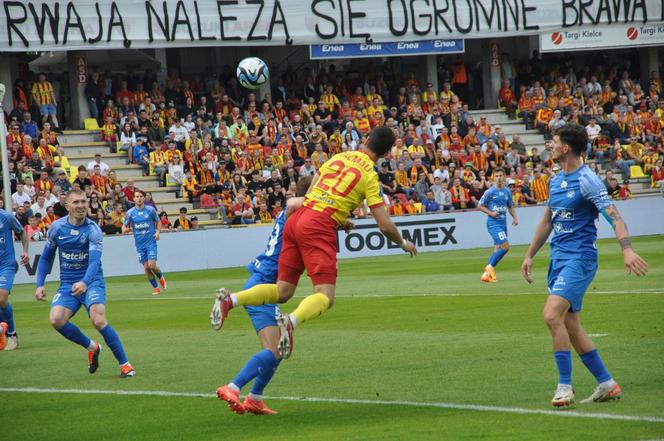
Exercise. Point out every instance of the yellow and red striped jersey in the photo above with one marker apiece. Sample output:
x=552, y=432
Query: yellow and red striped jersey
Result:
x=343, y=183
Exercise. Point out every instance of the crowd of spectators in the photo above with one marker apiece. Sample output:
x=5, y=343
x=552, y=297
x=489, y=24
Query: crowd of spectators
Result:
x=623, y=117
x=223, y=149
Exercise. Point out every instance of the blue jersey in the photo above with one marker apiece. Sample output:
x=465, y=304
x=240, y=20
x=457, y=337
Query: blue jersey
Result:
x=80, y=249
x=142, y=224
x=267, y=263
x=498, y=200
x=575, y=200
x=8, y=226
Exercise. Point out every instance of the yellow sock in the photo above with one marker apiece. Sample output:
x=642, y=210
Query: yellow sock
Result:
x=258, y=295
x=311, y=307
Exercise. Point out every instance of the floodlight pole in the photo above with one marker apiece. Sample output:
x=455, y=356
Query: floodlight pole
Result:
x=7, y=190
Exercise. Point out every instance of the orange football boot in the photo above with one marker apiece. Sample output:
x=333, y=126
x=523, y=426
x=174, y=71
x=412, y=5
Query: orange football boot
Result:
x=257, y=407
x=232, y=398
x=3, y=335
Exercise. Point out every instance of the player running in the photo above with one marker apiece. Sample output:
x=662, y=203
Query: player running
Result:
x=262, y=365
x=577, y=195
x=81, y=281
x=495, y=202
x=144, y=223
x=309, y=238
x=8, y=226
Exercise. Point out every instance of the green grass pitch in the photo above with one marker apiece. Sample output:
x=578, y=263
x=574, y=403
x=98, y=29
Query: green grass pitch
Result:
x=421, y=330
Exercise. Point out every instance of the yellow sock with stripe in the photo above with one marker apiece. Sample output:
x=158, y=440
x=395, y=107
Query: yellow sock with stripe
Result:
x=311, y=307
x=256, y=295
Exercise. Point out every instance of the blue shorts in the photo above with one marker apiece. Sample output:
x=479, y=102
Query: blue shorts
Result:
x=147, y=252
x=264, y=315
x=95, y=294
x=48, y=109
x=498, y=234
x=570, y=279
x=7, y=274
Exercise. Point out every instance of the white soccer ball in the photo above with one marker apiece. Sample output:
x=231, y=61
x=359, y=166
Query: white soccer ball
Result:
x=252, y=72
x=38, y=236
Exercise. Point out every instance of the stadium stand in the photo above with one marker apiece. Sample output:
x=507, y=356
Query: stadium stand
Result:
x=229, y=158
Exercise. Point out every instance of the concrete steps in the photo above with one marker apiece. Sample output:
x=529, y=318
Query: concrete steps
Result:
x=86, y=148
x=112, y=159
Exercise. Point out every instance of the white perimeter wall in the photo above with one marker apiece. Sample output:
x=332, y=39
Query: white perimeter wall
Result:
x=223, y=248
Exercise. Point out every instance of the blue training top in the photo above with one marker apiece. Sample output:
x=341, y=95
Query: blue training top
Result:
x=575, y=201
x=80, y=249
x=498, y=200
x=8, y=226
x=142, y=224
x=267, y=263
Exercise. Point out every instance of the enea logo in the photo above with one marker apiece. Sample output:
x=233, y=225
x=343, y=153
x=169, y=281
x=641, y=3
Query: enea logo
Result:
x=557, y=38
x=632, y=33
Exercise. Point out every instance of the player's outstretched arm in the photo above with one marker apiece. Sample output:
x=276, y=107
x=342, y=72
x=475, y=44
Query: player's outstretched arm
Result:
x=542, y=233
x=633, y=262
x=390, y=230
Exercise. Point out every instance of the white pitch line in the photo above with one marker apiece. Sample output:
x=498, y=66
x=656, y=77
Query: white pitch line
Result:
x=458, y=406
x=597, y=335
x=379, y=296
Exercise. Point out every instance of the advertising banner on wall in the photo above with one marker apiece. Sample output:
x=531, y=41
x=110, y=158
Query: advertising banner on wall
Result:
x=392, y=49
x=602, y=37
x=83, y=24
x=226, y=248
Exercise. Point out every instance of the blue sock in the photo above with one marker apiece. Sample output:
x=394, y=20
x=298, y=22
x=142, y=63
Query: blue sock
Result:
x=564, y=363
x=71, y=332
x=158, y=274
x=496, y=256
x=264, y=377
x=594, y=363
x=260, y=362
x=8, y=317
x=113, y=342
x=153, y=282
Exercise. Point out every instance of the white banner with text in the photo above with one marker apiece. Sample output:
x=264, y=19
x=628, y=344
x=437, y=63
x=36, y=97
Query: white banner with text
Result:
x=83, y=24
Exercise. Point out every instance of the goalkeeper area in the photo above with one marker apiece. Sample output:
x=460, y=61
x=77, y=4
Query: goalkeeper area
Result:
x=414, y=349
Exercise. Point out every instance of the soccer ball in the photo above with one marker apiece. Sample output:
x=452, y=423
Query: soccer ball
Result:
x=38, y=236
x=252, y=72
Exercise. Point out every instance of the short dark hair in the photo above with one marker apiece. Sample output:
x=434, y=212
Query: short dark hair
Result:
x=381, y=141
x=136, y=190
x=575, y=136
x=498, y=170
x=303, y=185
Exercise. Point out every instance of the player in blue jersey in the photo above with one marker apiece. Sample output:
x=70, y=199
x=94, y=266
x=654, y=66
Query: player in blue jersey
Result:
x=263, y=364
x=144, y=222
x=496, y=202
x=78, y=241
x=577, y=195
x=8, y=226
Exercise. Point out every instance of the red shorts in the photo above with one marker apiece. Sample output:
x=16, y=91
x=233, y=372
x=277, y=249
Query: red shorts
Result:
x=309, y=241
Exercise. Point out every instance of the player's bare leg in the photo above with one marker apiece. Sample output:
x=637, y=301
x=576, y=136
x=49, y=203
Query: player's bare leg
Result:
x=253, y=403
x=555, y=310
x=98, y=318
x=59, y=317
x=607, y=389
x=310, y=307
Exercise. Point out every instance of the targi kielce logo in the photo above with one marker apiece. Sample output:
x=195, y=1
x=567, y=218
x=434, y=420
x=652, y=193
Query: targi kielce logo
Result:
x=632, y=33
x=557, y=38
